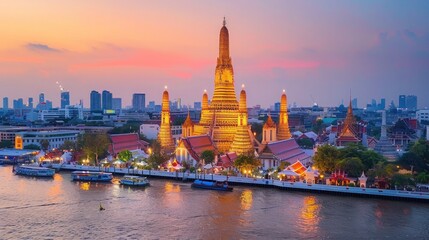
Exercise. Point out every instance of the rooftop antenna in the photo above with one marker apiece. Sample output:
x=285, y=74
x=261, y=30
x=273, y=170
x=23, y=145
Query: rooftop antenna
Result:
x=224, y=21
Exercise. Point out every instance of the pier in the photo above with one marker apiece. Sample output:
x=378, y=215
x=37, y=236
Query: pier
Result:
x=297, y=186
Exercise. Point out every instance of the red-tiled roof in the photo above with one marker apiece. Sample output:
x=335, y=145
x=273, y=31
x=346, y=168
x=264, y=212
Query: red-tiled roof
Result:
x=195, y=145
x=128, y=141
x=227, y=160
x=297, y=167
x=287, y=150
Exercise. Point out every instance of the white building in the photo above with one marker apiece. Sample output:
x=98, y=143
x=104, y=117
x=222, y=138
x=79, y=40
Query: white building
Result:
x=151, y=130
x=55, y=138
x=422, y=115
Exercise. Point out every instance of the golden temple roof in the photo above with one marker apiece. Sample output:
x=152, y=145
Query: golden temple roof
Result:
x=269, y=123
x=188, y=122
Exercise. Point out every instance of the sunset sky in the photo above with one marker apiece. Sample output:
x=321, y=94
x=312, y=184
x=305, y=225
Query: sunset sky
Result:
x=316, y=50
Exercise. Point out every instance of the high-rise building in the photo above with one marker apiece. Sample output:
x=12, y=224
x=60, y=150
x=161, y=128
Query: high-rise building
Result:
x=139, y=101
x=411, y=102
x=355, y=103
x=95, y=101
x=18, y=103
x=30, y=103
x=382, y=104
x=402, y=101
x=65, y=99
x=117, y=104
x=197, y=105
x=106, y=98
x=41, y=98
x=5, y=103
x=277, y=107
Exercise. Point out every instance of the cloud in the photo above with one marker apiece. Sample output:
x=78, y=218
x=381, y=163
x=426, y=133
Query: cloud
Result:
x=38, y=47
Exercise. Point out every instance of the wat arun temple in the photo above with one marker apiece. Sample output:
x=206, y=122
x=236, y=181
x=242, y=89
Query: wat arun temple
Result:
x=224, y=120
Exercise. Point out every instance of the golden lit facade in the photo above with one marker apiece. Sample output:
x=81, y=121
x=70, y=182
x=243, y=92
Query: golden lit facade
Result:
x=164, y=136
x=219, y=118
x=188, y=127
x=283, y=128
x=242, y=141
x=269, y=131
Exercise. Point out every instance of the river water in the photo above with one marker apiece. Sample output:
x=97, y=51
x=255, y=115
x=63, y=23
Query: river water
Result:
x=58, y=208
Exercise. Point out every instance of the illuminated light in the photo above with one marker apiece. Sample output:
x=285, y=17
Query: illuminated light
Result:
x=284, y=90
x=165, y=87
x=242, y=86
x=205, y=90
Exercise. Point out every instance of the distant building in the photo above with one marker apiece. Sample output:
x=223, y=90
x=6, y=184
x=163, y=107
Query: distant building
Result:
x=139, y=101
x=95, y=101
x=277, y=107
x=151, y=106
x=197, y=105
x=41, y=98
x=355, y=103
x=30, y=103
x=55, y=138
x=73, y=112
x=402, y=101
x=422, y=115
x=65, y=99
x=411, y=102
x=106, y=100
x=18, y=104
x=117, y=104
x=5, y=103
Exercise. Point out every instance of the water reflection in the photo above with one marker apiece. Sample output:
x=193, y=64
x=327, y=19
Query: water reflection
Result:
x=173, y=198
x=246, y=199
x=56, y=189
x=309, y=217
x=84, y=186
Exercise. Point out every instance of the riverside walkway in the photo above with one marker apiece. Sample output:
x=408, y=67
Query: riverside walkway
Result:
x=340, y=190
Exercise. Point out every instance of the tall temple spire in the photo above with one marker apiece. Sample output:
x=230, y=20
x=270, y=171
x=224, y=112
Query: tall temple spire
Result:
x=348, y=122
x=164, y=136
x=223, y=105
x=283, y=130
x=224, y=22
x=242, y=143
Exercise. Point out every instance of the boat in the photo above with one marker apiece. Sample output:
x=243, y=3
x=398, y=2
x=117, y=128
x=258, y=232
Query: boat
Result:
x=91, y=176
x=35, y=171
x=213, y=185
x=130, y=180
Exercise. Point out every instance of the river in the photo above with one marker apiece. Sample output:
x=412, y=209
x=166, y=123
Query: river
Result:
x=33, y=208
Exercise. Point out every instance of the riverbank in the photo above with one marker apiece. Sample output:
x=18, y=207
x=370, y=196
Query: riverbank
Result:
x=296, y=186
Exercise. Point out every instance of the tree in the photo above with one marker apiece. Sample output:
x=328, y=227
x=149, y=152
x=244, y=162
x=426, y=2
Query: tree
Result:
x=68, y=145
x=157, y=157
x=6, y=144
x=369, y=158
x=352, y=166
x=125, y=155
x=94, y=144
x=306, y=143
x=421, y=149
x=246, y=162
x=326, y=158
x=207, y=156
x=44, y=143
x=423, y=177
x=401, y=180
x=32, y=147
x=257, y=128
x=318, y=126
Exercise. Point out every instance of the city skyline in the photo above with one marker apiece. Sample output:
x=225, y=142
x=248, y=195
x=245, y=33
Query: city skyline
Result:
x=382, y=51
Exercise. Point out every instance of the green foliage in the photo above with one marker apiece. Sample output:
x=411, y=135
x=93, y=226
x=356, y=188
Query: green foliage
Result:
x=208, y=156
x=94, y=145
x=129, y=127
x=326, y=158
x=306, y=143
x=6, y=144
x=401, y=180
x=318, y=126
x=158, y=157
x=422, y=177
x=67, y=145
x=32, y=147
x=44, y=143
x=247, y=162
x=352, y=166
x=418, y=156
x=125, y=155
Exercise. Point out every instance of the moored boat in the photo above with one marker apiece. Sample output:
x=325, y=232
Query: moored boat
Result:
x=35, y=171
x=217, y=185
x=130, y=180
x=91, y=176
